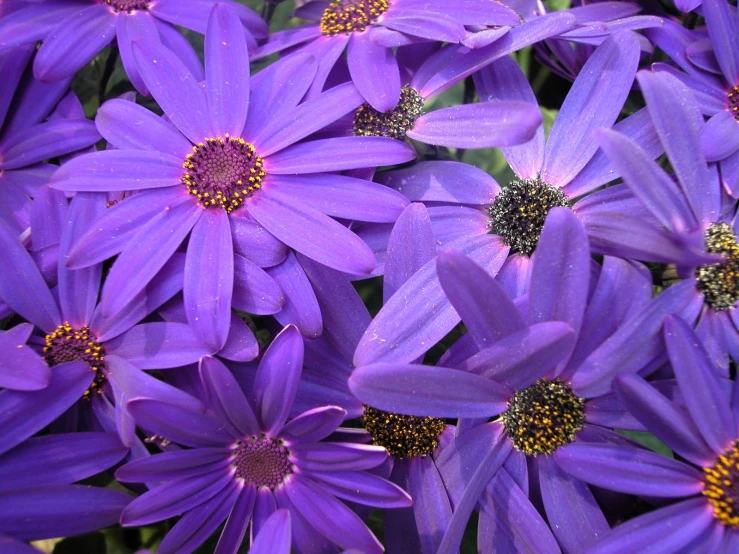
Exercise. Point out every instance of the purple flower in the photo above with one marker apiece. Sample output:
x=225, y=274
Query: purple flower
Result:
x=37, y=500
x=702, y=486
x=74, y=32
x=538, y=369
x=235, y=182
x=694, y=214
x=370, y=29
x=245, y=460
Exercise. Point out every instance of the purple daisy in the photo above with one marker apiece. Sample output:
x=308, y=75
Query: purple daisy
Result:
x=73, y=32
x=534, y=369
x=370, y=29
x=236, y=182
x=695, y=213
x=703, y=513
x=710, y=69
x=245, y=460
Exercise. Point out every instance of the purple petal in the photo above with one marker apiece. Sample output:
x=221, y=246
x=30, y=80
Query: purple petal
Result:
x=63, y=52
x=470, y=12
x=300, y=306
x=277, y=379
x=287, y=38
x=174, y=88
x=255, y=243
x=21, y=368
x=48, y=217
x=722, y=28
x=374, y=71
x=483, y=125
x=209, y=278
x=131, y=127
x=241, y=345
x=173, y=39
x=595, y=100
x=330, y=457
x=175, y=464
x=134, y=26
x=240, y=517
x=330, y=517
x=698, y=381
x=337, y=154
x=313, y=425
x=254, y=290
x=313, y=234
x=427, y=391
x=364, y=488
x=275, y=535
x=431, y=505
x=158, y=345
x=226, y=71
x=226, y=398
x=719, y=137
x=179, y=424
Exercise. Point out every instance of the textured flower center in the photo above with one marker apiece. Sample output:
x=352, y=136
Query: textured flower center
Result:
x=543, y=417
x=368, y=122
x=721, y=486
x=403, y=436
x=518, y=213
x=223, y=172
x=720, y=282
x=67, y=344
x=262, y=462
x=347, y=16
x=734, y=101
x=127, y=5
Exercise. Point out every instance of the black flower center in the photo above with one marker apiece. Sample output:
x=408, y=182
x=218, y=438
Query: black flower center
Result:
x=67, y=344
x=262, y=462
x=223, y=172
x=127, y=6
x=518, y=213
x=368, y=122
x=403, y=436
x=734, y=101
x=347, y=16
x=721, y=486
x=720, y=282
x=543, y=417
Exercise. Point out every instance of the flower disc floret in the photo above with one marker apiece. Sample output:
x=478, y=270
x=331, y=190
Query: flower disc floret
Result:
x=223, y=172
x=263, y=462
x=720, y=282
x=68, y=344
x=395, y=123
x=721, y=486
x=734, y=101
x=543, y=417
x=127, y=6
x=347, y=16
x=518, y=213
x=403, y=436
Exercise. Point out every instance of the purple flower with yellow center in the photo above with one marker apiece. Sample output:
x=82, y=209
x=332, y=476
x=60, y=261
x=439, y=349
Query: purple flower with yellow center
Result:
x=227, y=172
x=533, y=369
x=245, y=460
x=370, y=29
x=710, y=69
x=702, y=514
x=29, y=135
x=73, y=32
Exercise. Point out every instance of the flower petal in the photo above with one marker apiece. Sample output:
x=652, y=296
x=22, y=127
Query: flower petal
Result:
x=374, y=71
x=226, y=398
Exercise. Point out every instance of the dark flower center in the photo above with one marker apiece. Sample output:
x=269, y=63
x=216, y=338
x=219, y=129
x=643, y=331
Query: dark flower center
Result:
x=403, y=436
x=721, y=486
x=543, y=417
x=368, y=122
x=67, y=344
x=347, y=16
x=127, y=5
x=734, y=101
x=223, y=172
x=262, y=462
x=720, y=282
x=518, y=213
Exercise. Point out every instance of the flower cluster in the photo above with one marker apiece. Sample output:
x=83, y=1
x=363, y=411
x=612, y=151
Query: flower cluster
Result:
x=261, y=290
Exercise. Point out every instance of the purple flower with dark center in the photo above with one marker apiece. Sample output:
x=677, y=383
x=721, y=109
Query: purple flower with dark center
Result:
x=694, y=213
x=37, y=500
x=74, y=32
x=245, y=460
x=21, y=368
x=27, y=138
x=701, y=486
x=370, y=29
x=711, y=71
x=235, y=182
x=534, y=369
x=548, y=174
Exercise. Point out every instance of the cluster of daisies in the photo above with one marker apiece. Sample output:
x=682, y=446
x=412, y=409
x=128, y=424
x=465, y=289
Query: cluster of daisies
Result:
x=254, y=298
